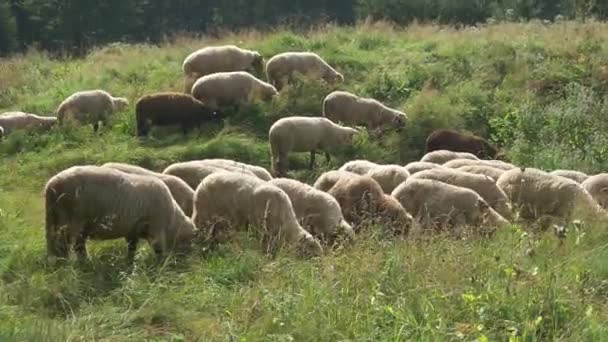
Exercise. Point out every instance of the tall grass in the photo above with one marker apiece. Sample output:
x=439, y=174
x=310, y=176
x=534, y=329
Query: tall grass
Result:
x=537, y=90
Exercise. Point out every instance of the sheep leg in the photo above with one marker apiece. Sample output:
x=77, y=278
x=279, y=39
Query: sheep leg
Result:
x=131, y=248
x=327, y=157
x=80, y=247
x=95, y=127
x=312, y=160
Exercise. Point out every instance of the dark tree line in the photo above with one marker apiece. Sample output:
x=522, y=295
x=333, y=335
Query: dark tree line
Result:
x=74, y=26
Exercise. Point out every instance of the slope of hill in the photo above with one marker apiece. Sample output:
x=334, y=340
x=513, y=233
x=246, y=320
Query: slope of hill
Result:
x=537, y=90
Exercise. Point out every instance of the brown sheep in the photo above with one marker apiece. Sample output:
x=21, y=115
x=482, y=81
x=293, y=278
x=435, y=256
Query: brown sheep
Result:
x=168, y=109
x=446, y=139
x=362, y=198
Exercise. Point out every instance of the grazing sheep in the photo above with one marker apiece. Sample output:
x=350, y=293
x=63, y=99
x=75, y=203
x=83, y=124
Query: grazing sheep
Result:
x=416, y=167
x=169, y=109
x=327, y=180
x=318, y=212
x=1, y=132
x=389, y=176
x=444, y=156
x=227, y=88
x=360, y=167
x=180, y=190
x=576, y=176
x=447, y=139
x=90, y=107
x=230, y=165
x=362, y=198
x=497, y=164
x=349, y=109
x=483, y=170
x=541, y=196
x=597, y=187
x=280, y=68
x=214, y=59
x=85, y=202
x=194, y=172
x=437, y=204
x=238, y=200
x=303, y=134
x=483, y=185
x=12, y=121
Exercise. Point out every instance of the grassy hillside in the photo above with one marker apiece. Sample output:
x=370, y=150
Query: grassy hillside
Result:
x=536, y=90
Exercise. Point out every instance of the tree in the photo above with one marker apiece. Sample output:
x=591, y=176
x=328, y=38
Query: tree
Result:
x=8, y=29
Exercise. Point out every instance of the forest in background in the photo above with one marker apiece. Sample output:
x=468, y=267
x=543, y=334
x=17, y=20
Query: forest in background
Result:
x=73, y=27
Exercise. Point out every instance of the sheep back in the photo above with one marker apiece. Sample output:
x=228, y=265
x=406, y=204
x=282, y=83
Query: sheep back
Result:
x=168, y=109
x=444, y=156
x=447, y=139
x=180, y=190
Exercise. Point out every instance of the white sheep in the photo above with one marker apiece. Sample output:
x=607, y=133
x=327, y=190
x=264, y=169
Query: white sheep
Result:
x=89, y=202
x=281, y=68
x=483, y=185
x=483, y=170
x=12, y=121
x=415, y=167
x=227, y=200
x=228, y=88
x=318, y=212
x=541, y=196
x=389, y=176
x=352, y=110
x=194, y=172
x=90, y=107
x=576, y=176
x=180, y=190
x=597, y=187
x=304, y=134
x=444, y=156
x=437, y=204
x=1, y=132
x=230, y=165
x=328, y=179
x=214, y=59
x=497, y=164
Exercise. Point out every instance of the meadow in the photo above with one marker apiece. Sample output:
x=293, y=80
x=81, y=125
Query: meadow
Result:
x=537, y=90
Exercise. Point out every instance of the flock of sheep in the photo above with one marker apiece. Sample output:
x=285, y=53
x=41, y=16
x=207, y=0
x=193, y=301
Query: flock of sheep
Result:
x=458, y=183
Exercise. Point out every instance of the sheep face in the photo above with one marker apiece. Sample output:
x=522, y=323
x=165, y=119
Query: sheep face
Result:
x=333, y=77
x=258, y=63
x=308, y=246
x=347, y=137
x=601, y=197
x=488, y=150
x=269, y=92
x=120, y=103
x=345, y=230
x=400, y=121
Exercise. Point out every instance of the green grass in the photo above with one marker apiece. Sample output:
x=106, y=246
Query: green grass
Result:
x=536, y=90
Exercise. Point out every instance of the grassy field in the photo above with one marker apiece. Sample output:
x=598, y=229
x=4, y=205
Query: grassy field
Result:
x=537, y=90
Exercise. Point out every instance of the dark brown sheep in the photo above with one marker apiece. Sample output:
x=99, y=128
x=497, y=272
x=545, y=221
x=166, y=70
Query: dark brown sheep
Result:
x=171, y=109
x=446, y=139
x=361, y=198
